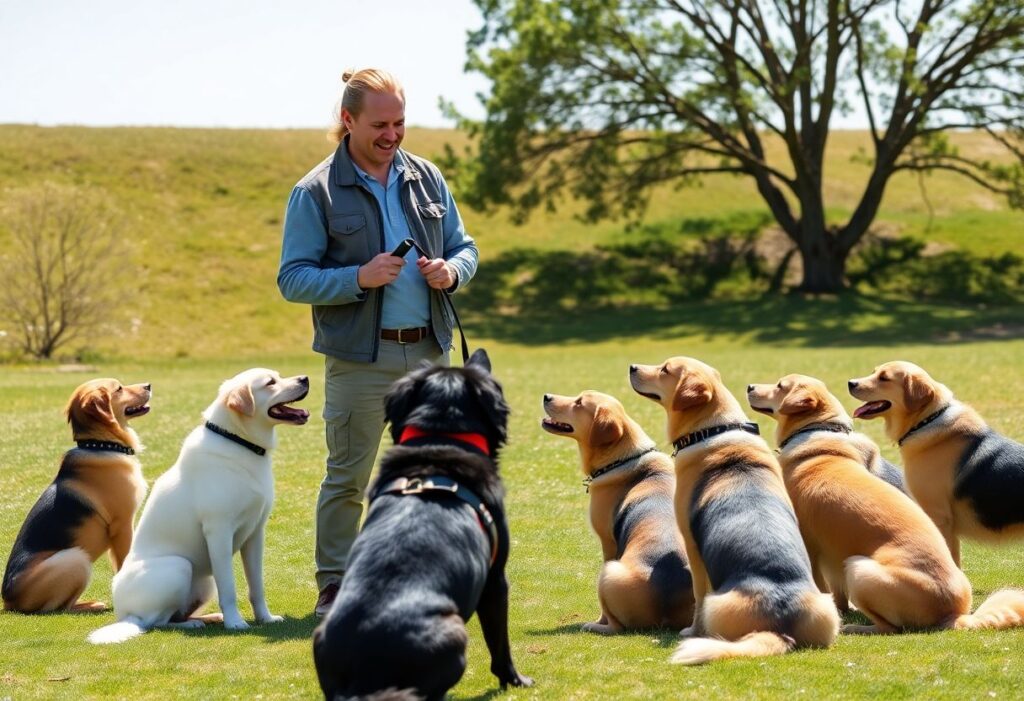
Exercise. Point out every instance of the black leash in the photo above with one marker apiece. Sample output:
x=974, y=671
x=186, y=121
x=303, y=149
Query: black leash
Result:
x=235, y=438
x=451, y=307
x=106, y=445
x=833, y=427
x=921, y=424
x=705, y=433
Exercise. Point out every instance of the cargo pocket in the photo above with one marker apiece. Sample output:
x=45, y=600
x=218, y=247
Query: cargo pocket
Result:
x=337, y=424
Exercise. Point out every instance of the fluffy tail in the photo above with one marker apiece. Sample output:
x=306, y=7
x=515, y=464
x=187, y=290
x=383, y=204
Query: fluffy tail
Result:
x=1004, y=609
x=127, y=629
x=701, y=650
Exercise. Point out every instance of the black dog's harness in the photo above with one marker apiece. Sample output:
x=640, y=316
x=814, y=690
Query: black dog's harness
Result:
x=921, y=424
x=106, y=445
x=618, y=463
x=833, y=427
x=405, y=486
x=705, y=433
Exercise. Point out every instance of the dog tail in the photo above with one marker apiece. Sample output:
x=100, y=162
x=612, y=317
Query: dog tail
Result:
x=1004, y=609
x=130, y=627
x=761, y=644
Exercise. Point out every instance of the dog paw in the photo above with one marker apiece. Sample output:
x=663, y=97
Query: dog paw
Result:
x=517, y=680
x=688, y=632
x=236, y=624
x=269, y=618
x=597, y=628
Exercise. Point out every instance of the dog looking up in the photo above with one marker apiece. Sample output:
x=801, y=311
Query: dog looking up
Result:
x=966, y=477
x=866, y=539
x=88, y=508
x=752, y=581
x=433, y=548
x=213, y=502
x=644, y=582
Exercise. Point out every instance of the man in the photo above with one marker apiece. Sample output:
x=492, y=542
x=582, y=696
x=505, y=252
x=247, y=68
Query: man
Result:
x=375, y=316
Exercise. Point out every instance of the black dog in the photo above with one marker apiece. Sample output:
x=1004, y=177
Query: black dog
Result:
x=433, y=547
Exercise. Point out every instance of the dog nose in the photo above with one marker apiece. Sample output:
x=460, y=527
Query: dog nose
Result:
x=547, y=398
x=303, y=380
x=750, y=388
x=853, y=384
x=632, y=369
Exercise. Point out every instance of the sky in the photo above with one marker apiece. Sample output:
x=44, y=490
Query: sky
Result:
x=225, y=63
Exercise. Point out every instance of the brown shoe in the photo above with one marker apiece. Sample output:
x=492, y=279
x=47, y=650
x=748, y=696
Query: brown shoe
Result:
x=326, y=598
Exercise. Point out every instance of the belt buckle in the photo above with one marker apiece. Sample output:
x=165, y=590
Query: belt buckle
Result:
x=405, y=343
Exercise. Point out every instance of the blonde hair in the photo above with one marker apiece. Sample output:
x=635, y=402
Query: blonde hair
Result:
x=357, y=84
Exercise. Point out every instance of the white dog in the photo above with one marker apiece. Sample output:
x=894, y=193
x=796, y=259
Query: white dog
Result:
x=213, y=502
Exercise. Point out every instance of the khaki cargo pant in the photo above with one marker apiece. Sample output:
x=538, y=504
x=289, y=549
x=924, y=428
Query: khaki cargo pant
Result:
x=354, y=417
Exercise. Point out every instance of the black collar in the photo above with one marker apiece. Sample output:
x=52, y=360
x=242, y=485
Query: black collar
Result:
x=705, y=433
x=827, y=426
x=404, y=486
x=921, y=424
x=236, y=438
x=618, y=463
x=106, y=445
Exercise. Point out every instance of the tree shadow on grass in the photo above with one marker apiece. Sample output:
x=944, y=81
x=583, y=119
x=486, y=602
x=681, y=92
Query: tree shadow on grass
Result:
x=288, y=629
x=539, y=298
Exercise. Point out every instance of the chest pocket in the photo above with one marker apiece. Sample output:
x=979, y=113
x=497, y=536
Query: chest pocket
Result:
x=346, y=224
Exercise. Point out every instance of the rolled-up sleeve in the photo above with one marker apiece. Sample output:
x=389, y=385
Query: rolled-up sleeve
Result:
x=301, y=276
x=459, y=247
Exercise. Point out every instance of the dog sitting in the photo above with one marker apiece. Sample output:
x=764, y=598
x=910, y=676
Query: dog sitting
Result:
x=644, y=582
x=966, y=477
x=752, y=581
x=89, y=507
x=866, y=539
x=213, y=502
x=433, y=548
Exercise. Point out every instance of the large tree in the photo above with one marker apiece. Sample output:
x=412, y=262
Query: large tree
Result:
x=606, y=98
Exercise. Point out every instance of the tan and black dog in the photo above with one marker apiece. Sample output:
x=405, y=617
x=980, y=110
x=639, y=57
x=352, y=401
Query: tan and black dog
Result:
x=755, y=593
x=867, y=540
x=966, y=477
x=89, y=507
x=644, y=582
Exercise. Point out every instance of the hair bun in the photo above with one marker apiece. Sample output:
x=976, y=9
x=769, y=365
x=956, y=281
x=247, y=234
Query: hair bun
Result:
x=347, y=75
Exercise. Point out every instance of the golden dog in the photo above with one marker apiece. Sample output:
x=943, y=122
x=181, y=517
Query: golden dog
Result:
x=755, y=593
x=644, y=581
x=966, y=477
x=87, y=509
x=866, y=539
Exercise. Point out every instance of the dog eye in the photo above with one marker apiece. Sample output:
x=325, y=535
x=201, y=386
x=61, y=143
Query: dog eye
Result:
x=579, y=401
x=778, y=386
x=271, y=381
x=664, y=369
x=883, y=378
x=119, y=388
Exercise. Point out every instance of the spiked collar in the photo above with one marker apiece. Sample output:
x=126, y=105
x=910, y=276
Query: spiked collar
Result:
x=706, y=433
x=831, y=426
x=921, y=424
x=235, y=438
x=106, y=445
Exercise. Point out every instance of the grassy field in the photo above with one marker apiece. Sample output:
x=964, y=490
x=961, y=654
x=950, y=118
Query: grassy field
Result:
x=554, y=560
x=205, y=209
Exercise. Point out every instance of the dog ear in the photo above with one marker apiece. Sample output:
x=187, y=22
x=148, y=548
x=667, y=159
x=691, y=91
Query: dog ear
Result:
x=691, y=392
x=480, y=359
x=916, y=392
x=798, y=402
x=606, y=429
x=240, y=399
x=92, y=407
x=496, y=409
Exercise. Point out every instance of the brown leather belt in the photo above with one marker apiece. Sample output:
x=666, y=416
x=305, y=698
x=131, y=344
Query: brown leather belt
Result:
x=405, y=335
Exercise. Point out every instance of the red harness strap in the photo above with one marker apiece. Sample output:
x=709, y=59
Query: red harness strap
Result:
x=477, y=440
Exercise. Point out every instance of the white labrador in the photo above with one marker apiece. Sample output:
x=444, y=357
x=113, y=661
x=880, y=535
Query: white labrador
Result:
x=212, y=503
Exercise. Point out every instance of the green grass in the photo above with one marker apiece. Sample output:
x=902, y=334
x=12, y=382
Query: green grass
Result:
x=555, y=558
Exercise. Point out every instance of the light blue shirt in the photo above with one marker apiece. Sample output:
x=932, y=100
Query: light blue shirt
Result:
x=407, y=297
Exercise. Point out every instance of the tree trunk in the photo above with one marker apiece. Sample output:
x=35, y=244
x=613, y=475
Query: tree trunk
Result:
x=824, y=263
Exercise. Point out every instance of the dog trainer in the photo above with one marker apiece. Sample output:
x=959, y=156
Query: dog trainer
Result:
x=374, y=316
